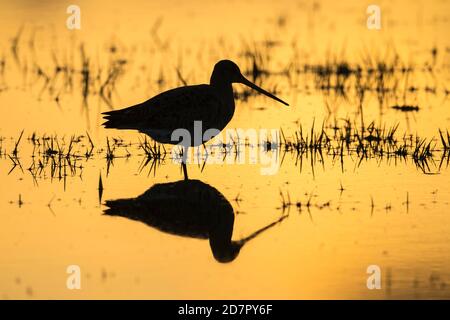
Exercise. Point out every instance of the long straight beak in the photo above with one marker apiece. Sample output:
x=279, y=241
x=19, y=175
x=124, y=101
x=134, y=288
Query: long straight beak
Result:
x=260, y=90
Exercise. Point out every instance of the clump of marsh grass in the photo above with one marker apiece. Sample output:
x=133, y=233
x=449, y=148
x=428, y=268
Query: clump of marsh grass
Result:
x=371, y=142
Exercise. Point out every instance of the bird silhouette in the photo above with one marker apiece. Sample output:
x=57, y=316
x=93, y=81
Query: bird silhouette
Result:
x=210, y=105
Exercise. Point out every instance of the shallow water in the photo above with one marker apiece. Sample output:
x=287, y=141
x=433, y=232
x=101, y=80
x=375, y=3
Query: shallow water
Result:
x=329, y=217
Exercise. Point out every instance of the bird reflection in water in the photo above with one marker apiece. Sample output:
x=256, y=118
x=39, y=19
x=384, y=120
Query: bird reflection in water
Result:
x=188, y=208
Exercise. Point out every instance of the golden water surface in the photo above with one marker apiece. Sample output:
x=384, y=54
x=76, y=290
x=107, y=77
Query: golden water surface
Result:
x=341, y=218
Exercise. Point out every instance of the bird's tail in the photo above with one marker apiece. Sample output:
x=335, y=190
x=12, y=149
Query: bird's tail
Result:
x=118, y=119
x=113, y=119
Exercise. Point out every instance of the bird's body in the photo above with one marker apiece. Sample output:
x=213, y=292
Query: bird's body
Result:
x=177, y=108
x=193, y=109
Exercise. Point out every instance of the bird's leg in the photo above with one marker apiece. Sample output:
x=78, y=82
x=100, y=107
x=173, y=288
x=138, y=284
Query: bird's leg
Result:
x=183, y=163
x=206, y=157
x=206, y=150
x=185, y=171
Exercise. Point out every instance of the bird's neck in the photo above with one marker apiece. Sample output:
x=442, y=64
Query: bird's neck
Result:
x=217, y=80
x=224, y=89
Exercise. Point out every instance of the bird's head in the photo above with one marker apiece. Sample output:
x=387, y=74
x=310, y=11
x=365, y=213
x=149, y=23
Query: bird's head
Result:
x=227, y=72
x=226, y=254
